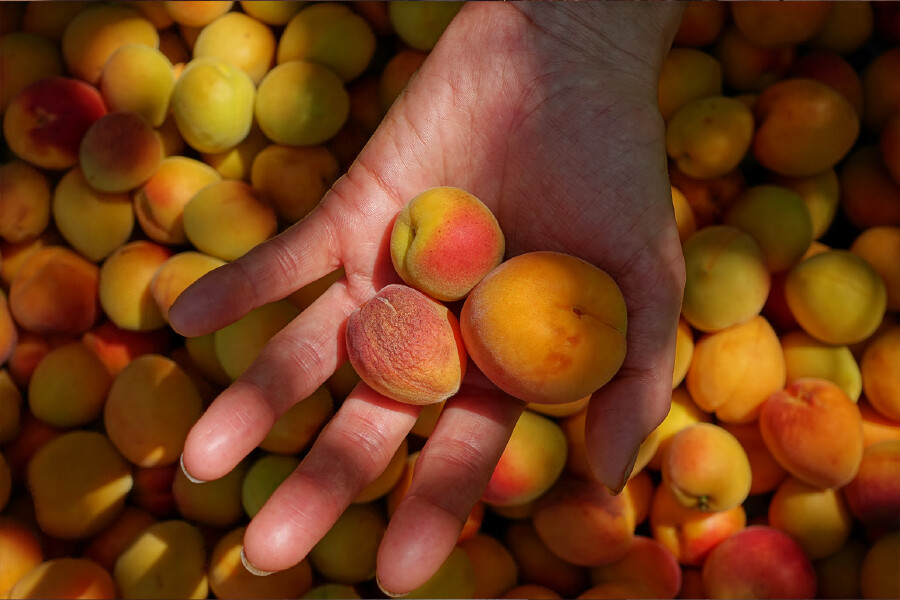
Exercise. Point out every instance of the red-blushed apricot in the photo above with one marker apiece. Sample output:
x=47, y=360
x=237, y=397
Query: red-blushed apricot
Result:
x=10, y=408
x=814, y=413
x=105, y=547
x=68, y=387
x=227, y=218
x=879, y=246
x=772, y=25
x=65, y=577
x=759, y=562
x=546, y=327
x=159, y=203
x=228, y=578
x=264, y=474
x=727, y=281
x=836, y=297
x=881, y=90
x=709, y=199
x=124, y=285
x=396, y=74
x=583, y=523
x=838, y=575
x=804, y=356
x=116, y=347
x=254, y=54
x=55, y=293
x=94, y=223
x=138, y=79
x=709, y=136
x=777, y=218
x=20, y=551
x=878, y=574
x=683, y=412
x=873, y=495
x=216, y=503
x=166, y=560
x=831, y=69
x=406, y=346
x=793, y=147
x=388, y=479
x=119, y=152
x=79, y=484
x=237, y=345
x=879, y=365
x=846, y=29
x=25, y=212
x=820, y=193
x=212, y=103
x=538, y=564
x=236, y=162
x=869, y=195
x=876, y=427
x=444, y=241
x=301, y=103
x=701, y=24
x=271, y=12
x=44, y=123
x=706, y=468
x=630, y=573
x=150, y=408
x=175, y=275
x=24, y=59
x=152, y=489
x=748, y=67
x=421, y=25
x=295, y=430
x=530, y=464
x=292, y=178
x=495, y=568
x=818, y=519
x=330, y=34
x=346, y=553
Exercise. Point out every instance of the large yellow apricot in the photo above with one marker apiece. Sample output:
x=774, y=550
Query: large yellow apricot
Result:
x=124, y=287
x=546, y=327
x=255, y=52
x=68, y=387
x=880, y=365
x=805, y=356
x=421, y=24
x=65, y=577
x=138, y=79
x=346, y=554
x=175, y=275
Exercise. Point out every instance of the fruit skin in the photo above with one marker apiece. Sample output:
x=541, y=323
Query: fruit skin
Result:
x=873, y=495
x=444, y=241
x=686, y=74
x=814, y=430
x=629, y=573
x=878, y=575
x=880, y=246
x=546, y=327
x=879, y=365
x=65, y=577
x=870, y=196
x=119, y=152
x=818, y=519
x=138, y=79
x=25, y=212
x=771, y=26
x=406, y=346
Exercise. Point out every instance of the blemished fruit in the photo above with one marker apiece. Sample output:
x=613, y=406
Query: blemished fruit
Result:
x=147, y=143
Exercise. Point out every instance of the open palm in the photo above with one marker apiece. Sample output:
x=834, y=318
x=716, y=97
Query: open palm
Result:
x=553, y=124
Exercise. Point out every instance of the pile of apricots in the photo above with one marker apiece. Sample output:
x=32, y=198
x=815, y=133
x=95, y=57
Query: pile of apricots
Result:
x=145, y=143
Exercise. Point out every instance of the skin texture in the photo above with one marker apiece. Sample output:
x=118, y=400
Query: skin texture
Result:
x=561, y=85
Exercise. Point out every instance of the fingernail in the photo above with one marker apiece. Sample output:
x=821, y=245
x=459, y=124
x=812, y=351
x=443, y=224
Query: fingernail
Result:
x=626, y=474
x=387, y=593
x=249, y=566
x=188, y=475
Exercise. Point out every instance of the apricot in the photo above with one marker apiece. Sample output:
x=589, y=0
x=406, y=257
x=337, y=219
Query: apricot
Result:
x=455, y=578
x=301, y=103
x=546, y=327
x=94, y=223
x=748, y=67
x=879, y=365
x=212, y=103
x=43, y=124
x=406, y=346
x=10, y=407
x=798, y=147
x=804, y=356
x=846, y=29
x=683, y=412
x=346, y=553
x=237, y=345
x=271, y=12
x=687, y=74
x=196, y=13
x=264, y=474
x=254, y=54
x=421, y=25
x=772, y=25
x=329, y=34
x=159, y=203
x=876, y=427
x=124, y=285
x=727, y=281
x=818, y=519
x=236, y=162
x=295, y=430
x=831, y=69
x=20, y=551
x=759, y=561
x=814, y=413
x=138, y=79
x=701, y=24
x=706, y=468
x=396, y=74
x=166, y=560
x=119, y=152
x=150, y=408
x=879, y=246
x=228, y=578
x=202, y=354
x=820, y=193
x=24, y=59
x=530, y=464
x=175, y=275
x=293, y=179
x=836, y=297
x=25, y=212
x=880, y=89
x=444, y=241
x=216, y=503
x=152, y=489
x=558, y=411
x=94, y=34
x=878, y=574
x=55, y=292
x=869, y=195
x=389, y=479
x=629, y=573
x=684, y=215
x=873, y=493
x=68, y=387
x=50, y=21
x=707, y=137
x=79, y=484
x=838, y=575
x=709, y=199
x=328, y=591
x=765, y=471
x=65, y=577
x=106, y=547
x=495, y=568
x=539, y=565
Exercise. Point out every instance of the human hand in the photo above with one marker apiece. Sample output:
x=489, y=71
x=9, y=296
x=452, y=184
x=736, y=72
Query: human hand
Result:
x=548, y=114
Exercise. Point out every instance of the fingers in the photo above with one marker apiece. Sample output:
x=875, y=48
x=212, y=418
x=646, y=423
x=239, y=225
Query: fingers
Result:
x=300, y=254
x=351, y=451
x=290, y=367
x=450, y=475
